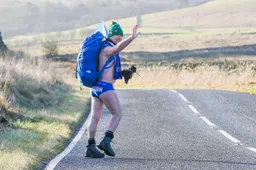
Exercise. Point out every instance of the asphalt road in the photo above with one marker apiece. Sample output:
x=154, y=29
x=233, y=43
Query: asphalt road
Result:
x=183, y=129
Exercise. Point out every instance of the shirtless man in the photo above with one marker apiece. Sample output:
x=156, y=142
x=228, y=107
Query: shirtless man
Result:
x=104, y=93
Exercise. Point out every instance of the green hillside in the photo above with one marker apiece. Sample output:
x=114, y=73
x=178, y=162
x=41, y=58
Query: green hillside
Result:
x=213, y=18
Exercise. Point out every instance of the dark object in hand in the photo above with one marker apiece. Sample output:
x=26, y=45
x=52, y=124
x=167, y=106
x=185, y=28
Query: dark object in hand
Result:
x=127, y=74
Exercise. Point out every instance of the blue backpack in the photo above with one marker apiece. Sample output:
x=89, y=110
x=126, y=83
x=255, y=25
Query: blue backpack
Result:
x=87, y=60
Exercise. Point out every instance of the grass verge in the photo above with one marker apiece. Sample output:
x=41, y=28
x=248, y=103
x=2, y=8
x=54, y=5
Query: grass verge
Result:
x=43, y=106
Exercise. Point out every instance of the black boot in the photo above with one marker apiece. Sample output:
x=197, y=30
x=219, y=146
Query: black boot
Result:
x=106, y=147
x=93, y=152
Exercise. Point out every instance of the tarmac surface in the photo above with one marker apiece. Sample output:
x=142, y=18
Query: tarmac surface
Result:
x=182, y=129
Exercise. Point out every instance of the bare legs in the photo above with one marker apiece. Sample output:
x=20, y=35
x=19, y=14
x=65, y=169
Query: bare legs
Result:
x=111, y=101
x=96, y=112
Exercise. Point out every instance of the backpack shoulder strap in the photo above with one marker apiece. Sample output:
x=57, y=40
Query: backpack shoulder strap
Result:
x=106, y=43
x=105, y=66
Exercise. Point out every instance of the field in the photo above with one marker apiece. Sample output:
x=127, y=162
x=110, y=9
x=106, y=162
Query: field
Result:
x=211, y=46
x=214, y=24
x=204, y=33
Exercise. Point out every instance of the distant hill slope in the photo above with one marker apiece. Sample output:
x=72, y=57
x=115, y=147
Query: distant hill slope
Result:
x=20, y=17
x=214, y=14
x=211, y=18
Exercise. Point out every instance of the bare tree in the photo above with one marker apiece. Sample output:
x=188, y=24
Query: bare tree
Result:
x=50, y=48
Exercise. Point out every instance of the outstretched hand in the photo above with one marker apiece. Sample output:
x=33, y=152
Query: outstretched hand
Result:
x=134, y=31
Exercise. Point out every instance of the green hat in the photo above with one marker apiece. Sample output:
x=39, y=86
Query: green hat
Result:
x=115, y=29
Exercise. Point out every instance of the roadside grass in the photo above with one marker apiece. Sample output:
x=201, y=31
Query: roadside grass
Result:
x=44, y=106
x=30, y=143
x=252, y=91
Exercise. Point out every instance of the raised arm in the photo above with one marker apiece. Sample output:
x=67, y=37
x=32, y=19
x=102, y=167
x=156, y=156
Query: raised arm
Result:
x=110, y=51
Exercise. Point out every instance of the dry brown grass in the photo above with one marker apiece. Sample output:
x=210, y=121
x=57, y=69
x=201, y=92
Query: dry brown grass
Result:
x=238, y=75
x=26, y=80
x=42, y=108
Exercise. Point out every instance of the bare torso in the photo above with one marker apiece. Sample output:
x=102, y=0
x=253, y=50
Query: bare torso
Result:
x=108, y=74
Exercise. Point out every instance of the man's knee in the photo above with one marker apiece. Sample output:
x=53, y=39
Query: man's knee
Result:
x=117, y=116
x=95, y=120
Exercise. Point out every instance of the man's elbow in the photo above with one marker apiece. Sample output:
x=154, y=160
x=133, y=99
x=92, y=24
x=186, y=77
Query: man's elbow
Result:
x=112, y=52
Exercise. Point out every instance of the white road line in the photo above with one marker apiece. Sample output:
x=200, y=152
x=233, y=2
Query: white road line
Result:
x=193, y=109
x=229, y=136
x=174, y=91
x=59, y=157
x=252, y=149
x=208, y=121
x=183, y=98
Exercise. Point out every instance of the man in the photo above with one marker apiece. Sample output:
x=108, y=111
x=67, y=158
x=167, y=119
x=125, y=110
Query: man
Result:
x=104, y=93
